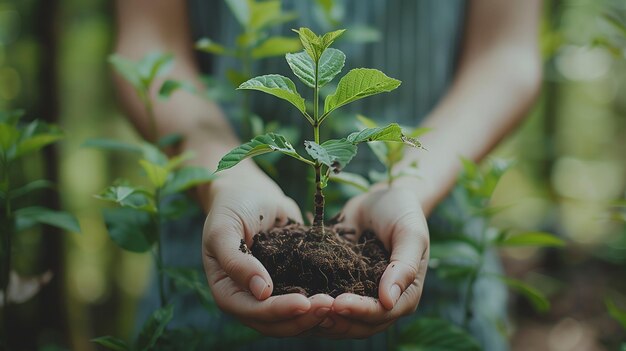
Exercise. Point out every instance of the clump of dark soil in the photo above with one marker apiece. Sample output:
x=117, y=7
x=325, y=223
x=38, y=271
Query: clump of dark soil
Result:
x=300, y=260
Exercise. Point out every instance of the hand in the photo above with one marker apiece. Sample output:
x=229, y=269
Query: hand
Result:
x=242, y=206
x=396, y=217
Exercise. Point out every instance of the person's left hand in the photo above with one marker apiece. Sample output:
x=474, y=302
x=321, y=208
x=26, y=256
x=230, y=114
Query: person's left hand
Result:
x=395, y=215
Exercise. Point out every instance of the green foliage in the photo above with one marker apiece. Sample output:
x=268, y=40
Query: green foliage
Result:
x=330, y=64
x=531, y=239
x=357, y=84
x=618, y=314
x=130, y=229
x=260, y=145
x=435, y=335
x=29, y=216
x=279, y=86
x=538, y=300
x=315, y=67
x=141, y=74
x=111, y=343
x=190, y=280
x=154, y=328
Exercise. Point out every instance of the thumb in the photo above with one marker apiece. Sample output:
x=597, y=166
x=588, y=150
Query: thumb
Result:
x=409, y=254
x=223, y=242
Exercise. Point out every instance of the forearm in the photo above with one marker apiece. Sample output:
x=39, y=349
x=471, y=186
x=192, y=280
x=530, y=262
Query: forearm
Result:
x=159, y=25
x=483, y=106
x=497, y=82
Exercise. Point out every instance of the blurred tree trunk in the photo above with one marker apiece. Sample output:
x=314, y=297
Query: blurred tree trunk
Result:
x=51, y=325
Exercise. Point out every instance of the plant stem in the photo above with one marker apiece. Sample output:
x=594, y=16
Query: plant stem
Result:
x=469, y=293
x=154, y=131
x=318, y=200
x=159, y=251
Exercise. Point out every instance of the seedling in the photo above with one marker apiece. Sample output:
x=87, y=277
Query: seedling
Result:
x=18, y=140
x=135, y=225
x=316, y=66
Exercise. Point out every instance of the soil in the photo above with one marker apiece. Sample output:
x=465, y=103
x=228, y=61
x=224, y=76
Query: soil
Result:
x=301, y=260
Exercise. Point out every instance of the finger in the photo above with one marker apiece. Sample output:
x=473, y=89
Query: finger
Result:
x=232, y=299
x=343, y=328
x=409, y=247
x=222, y=240
x=370, y=311
x=299, y=326
x=288, y=211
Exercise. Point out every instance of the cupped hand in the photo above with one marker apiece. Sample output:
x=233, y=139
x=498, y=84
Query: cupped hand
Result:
x=240, y=207
x=395, y=215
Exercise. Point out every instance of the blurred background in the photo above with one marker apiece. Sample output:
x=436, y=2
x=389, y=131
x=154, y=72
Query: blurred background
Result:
x=570, y=170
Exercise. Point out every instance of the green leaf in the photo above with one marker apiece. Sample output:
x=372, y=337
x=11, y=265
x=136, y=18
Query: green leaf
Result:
x=30, y=187
x=434, y=334
x=11, y=117
x=112, y=145
x=531, y=239
x=170, y=86
x=330, y=64
x=186, y=178
x=241, y=10
x=615, y=312
x=454, y=251
x=352, y=179
x=536, y=297
x=111, y=343
x=235, y=77
x=267, y=13
x=358, y=84
x=329, y=38
x=341, y=153
x=189, y=279
x=170, y=140
x=156, y=173
x=130, y=229
x=59, y=219
x=209, y=46
x=154, y=64
x=9, y=135
x=127, y=69
x=142, y=73
x=277, y=85
x=311, y=43
x=154, y=328
x=35, y=136
x=276, y=46
x=260, y=145
x=127, y=196
x=318, y=153
x=391, y=133
x=153, y=154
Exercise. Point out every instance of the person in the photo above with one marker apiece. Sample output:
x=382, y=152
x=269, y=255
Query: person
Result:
x=472, y=68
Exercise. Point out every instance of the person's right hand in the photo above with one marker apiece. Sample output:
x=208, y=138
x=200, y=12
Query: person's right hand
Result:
x=241, y=206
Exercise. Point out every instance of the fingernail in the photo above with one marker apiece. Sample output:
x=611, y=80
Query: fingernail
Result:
x=321, y=312
x=327, y=323
x=395, y=292
x=258, y=286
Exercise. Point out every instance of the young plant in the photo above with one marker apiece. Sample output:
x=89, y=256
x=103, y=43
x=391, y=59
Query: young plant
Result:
x=18, y=140
x=461, y=257
x=316, y=66
x=135, y=226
